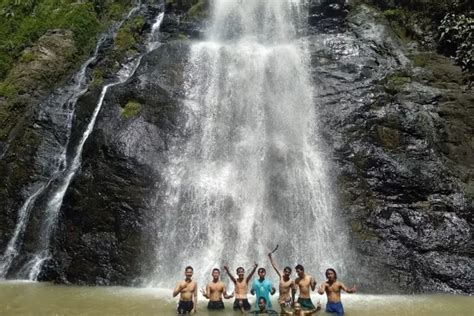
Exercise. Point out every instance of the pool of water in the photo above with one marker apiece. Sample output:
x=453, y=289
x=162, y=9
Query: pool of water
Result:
x=26, y=298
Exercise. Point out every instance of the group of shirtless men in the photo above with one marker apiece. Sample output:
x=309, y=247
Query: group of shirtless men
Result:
x=215, y=291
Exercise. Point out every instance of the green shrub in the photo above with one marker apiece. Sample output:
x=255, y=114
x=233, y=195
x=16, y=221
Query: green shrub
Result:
x=22, y=22
x=457, y=39
x=131, y=109
x=97, y=78
x=129, y=34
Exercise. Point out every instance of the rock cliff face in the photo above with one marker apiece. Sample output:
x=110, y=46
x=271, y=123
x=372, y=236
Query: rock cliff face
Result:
x=397, y=122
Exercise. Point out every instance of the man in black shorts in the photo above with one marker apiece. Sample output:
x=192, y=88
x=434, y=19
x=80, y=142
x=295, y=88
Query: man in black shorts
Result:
x=187, y=290
x=241, y=287
x=214, y=291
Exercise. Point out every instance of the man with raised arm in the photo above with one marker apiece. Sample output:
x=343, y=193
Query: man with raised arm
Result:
x=298, y=311
x=305, y=283
x=187, y=290
x=333, y=288
x=286, y=286
x=241, y=285
x=214, y=292
x=262, y=287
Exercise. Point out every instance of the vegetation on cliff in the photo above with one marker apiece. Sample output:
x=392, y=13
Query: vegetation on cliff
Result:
x=445, y=24
x=23, y=22
x=40, y=42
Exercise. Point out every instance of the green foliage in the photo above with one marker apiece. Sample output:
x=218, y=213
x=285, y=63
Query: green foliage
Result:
x=7, y=89
x=22, y=22
x=393, y=14
x=197, y=9
x=421, y=60
x=97, y=78
x=27, y=56
x=457, y=39
x=131, y=109
x=129, y=34
x=395, y=82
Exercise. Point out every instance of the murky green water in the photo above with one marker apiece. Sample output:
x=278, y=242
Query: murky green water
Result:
x=17, y=298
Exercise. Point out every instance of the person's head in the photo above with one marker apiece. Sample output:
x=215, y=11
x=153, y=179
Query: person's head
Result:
x=297, y=307
x=262, y=303
x=188, y=272
x=299, y=270
x=262, y=272
x=240, y=272
x=287, y=272
x=331, y=274
x=216, y=273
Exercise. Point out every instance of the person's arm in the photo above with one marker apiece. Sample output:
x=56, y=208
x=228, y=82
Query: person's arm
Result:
x=350, y=291
x=226, y=268
x=273, y=290
x=293, y=292
x=312, y=283
x=274, y=265
x=314, y=310
x=195, y=299
x=227, y=296
x=322, y=288
x=252, y=290
x=249, y=277
x=179, y=287
x=206, y=292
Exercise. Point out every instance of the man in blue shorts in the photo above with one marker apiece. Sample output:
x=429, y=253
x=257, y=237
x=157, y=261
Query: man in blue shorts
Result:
x=333, y=288
x=262, y=288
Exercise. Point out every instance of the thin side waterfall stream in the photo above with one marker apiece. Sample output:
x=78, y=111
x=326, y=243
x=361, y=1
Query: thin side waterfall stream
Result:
x=64, y=108
x=252, y=174
x=80, y=85
x=54, y=204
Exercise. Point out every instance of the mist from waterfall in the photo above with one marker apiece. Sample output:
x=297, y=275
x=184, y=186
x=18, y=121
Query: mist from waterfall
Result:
x=252, y=174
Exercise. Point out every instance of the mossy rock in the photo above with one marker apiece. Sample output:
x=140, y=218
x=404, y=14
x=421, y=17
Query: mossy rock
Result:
x=198, y=10
x=129, y=36
x=389, y=137
x=396, y=82
x=131, y=109
x=97, y=78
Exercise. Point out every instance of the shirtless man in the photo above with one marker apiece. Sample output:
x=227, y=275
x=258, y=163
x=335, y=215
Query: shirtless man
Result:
x=304, y=283
x=333, y=288
x=262, y=308
x=214, y=291
x=241, y=287
x=300, y=312
x=188, y=293
x=286, y=286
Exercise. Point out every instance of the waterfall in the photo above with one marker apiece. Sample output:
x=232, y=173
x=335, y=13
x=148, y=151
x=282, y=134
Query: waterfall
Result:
x=252, y=173
x=62, y=110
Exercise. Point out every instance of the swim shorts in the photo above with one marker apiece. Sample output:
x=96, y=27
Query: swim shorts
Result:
x=306, y=303
x=335, y=308
x=185, y=307
x=215, y=305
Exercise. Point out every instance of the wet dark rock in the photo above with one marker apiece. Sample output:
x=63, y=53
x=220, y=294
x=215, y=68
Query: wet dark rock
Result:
x=102, y=237
x=405, y=194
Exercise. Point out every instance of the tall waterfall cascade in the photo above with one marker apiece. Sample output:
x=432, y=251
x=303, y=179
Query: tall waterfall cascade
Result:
x=252, y=174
